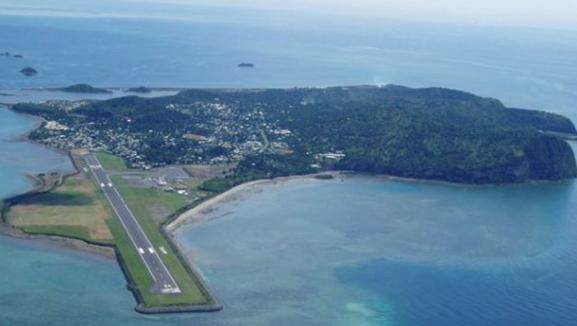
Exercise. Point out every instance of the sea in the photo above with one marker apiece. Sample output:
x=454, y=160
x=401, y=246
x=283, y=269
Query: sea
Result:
x=348, y=251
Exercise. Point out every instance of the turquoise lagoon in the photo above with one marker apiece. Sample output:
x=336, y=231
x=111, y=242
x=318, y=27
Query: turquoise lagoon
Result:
x=357, y=251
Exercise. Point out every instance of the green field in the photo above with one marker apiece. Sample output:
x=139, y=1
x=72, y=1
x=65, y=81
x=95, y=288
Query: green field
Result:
x=75, y=209
x=111, y=162
x=78, y=209
x=138, y=200
x=79, y=232
x=142, y=198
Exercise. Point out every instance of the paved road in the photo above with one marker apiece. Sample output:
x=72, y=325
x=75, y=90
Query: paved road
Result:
x=163, y=280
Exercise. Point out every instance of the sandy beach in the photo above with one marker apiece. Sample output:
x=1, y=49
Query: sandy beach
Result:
x=198, y=213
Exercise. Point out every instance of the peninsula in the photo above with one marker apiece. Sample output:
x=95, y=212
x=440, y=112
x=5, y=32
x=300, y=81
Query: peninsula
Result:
x=142, y=162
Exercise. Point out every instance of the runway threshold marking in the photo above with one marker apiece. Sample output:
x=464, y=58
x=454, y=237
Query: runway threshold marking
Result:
x=173, y=289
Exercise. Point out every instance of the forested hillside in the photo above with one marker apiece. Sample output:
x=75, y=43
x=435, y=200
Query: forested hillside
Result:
x=431, y=133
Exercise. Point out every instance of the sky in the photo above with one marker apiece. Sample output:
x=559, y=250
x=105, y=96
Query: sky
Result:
x=558, y=14
x=535, y=13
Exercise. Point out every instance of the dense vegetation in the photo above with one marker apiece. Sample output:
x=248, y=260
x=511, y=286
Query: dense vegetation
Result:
x=430, y=133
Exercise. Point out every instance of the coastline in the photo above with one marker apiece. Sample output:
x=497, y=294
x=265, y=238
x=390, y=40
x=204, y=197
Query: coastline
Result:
x=187, y=217
x=190, y=216
x=38, y=185
x=25, y=136
x=81, y=246
x=57, y=242
x=196, y=214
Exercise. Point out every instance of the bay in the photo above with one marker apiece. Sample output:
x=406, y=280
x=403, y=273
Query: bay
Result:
x=361, y=251
x=369, y=251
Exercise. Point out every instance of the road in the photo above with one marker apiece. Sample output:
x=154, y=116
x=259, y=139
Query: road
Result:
x=163, y=281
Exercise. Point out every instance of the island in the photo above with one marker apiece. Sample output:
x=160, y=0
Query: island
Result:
x=29, y=71
x=149, y=161
x=83, y=89
x=245, y=65
x=431, y=133
x=141, y=89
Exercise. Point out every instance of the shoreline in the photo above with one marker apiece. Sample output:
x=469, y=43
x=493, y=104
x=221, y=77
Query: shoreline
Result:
x=37, y=185
x=25, y=136
x=194, y=214
x=188, y=217
x=58, y=242
x=82, y=246
x=197, y=214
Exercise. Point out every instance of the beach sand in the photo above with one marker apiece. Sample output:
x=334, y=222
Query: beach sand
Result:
x=198, y=213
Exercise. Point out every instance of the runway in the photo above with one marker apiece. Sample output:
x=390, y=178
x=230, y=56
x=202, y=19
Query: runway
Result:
x=163, y=280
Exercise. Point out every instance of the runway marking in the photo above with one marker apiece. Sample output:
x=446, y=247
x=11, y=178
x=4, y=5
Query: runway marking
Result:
x=141, y=251
x=147, y=240
x=94, y=174
x=99, y=172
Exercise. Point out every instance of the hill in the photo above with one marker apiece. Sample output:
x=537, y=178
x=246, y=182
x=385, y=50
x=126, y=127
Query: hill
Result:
x=430, y=133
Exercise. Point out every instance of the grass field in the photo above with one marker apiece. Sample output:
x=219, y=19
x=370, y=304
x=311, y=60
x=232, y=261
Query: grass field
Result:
x=79, y=209
x=74, y=209
x=145, y=198
x=111, y=162
x=73, y=231
x=138, y=200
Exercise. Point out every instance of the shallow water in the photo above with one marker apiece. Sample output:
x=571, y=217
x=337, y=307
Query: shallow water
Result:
x=371, y=251
x=354, y=252
x=19, y=158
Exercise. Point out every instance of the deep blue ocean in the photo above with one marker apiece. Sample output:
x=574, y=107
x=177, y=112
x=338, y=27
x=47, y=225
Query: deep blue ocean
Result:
x=358, y=251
